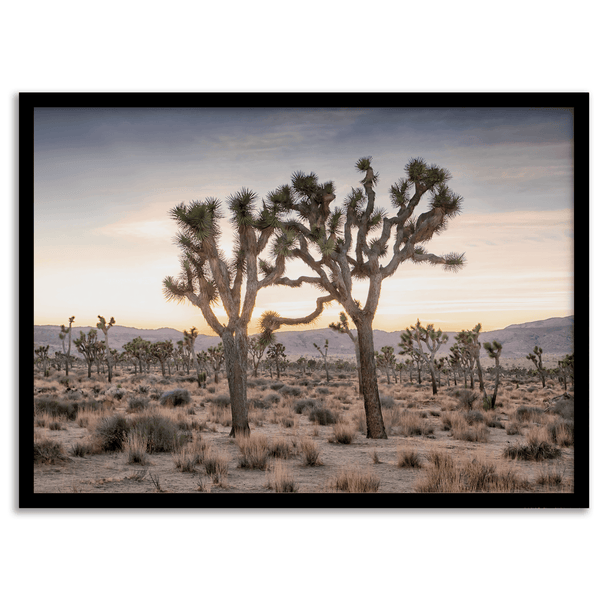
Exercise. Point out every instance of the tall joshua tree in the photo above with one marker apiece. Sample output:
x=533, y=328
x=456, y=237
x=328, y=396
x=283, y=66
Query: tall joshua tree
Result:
x=189, y=341
x=276, y=354
x=324, y=355
x=387, y=361
x=536, y=359
x=103, y=326
x=469, y=340
x=207, y=277
x=64, y=332
x=342, y=245
x=216, y=356
x=256, y=350
x=162, y=351
x=425, y=342
x=89, y=346
x=494, y=350
x=342, y=326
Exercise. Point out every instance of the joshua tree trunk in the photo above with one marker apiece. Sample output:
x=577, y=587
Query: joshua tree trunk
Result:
x=235, y=346
x=433, y=379
x=375, y=425
x=358, y=368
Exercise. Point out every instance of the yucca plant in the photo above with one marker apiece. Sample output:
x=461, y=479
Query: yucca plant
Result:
x=494, y=350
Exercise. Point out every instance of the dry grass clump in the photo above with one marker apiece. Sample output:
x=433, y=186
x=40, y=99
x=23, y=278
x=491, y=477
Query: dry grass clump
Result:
x=461, y=431
x=409, y=459
x=220, y=415
x=561, y=433
x=466, y=398
x=281, y=448
x=536, y=451
x=310, y=451
x=412, y=424
x=186, y=460
x=322, y=416
x=137, y=404
x=444, y=476
x=111, y=432
x=528, y=413
x=255, y=452
x=513, y=428
x=356, y=481
x=55, y=426
x=136, y=446
x=160, y=431
x=47, y=452
x=392, y=417
x=343, y=433
x=303, y=406
x=217, y=466
x=280, y=480
x=82, y=449
x=550, y=478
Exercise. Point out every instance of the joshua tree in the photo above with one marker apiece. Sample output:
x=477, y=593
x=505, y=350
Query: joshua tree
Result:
x=494, y=350
x=301, y=362
x=89, y=346
x=64, y=332
x=207, y=277
x=469, y=340
x=424, y=342
x=104, y=327
x=216, y=356
x=566, y=369
x=189, y=341
x=276, y=354
x=324, y=355
x=42, y=353
x=256, y=350
x=343, y=326
x=536, y=359
x=140, y=349
x=162, y=351
x=343, y=257
x=386, y=361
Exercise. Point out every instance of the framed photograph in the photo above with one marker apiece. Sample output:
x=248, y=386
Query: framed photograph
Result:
x=303, y=300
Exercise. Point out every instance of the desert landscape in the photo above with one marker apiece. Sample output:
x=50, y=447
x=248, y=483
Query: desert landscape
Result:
x=145, y=433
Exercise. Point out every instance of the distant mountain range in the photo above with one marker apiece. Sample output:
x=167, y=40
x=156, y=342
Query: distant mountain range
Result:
x=553, y=335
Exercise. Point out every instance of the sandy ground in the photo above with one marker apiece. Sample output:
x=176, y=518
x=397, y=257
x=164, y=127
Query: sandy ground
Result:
x=112, y=473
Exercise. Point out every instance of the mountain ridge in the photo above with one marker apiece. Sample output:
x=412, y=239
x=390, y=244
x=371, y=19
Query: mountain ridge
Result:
x=554, y=335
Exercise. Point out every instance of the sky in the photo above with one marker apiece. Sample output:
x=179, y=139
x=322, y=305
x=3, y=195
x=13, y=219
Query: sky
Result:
x=105, y=180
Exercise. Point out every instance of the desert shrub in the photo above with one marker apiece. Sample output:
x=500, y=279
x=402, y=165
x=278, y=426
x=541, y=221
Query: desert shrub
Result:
x=411, y=424
x=177, y=397
x=216, y=465
x=161, y=433
x=56, y=408
x=281, y=448
x=386, y=402
x=434, y=413
x=277, y=385
x=186, y=460
x=550, y=478
x=360, y=420
x=211, y=389
x=81, y=449
x=111, y=433
x=302, y=406
x=287, y=421
x=528, y=413
x=48, y=452
x=137, y=404
x=143, y=389
x=409, y=459
x=444, y=476
x=562, y=433
x=356, y=481
x=255, y=452
x=39, y=422
x=467, y=398
x=342, y=434
x=293, y=391
x=532, y=451
x=55, y=426
x=323, y=391
x=564, y=407
x=115, y=392
x=281, y=480
x=477, y=433
x=269, y=400
x=474, y=416
x=493, y=421
x=512, y=428
x=136, y=446
x=311, y=452
x=322, y=416
x=221, y=400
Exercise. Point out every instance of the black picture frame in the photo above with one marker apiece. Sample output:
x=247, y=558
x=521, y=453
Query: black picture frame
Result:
x=28, y=499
